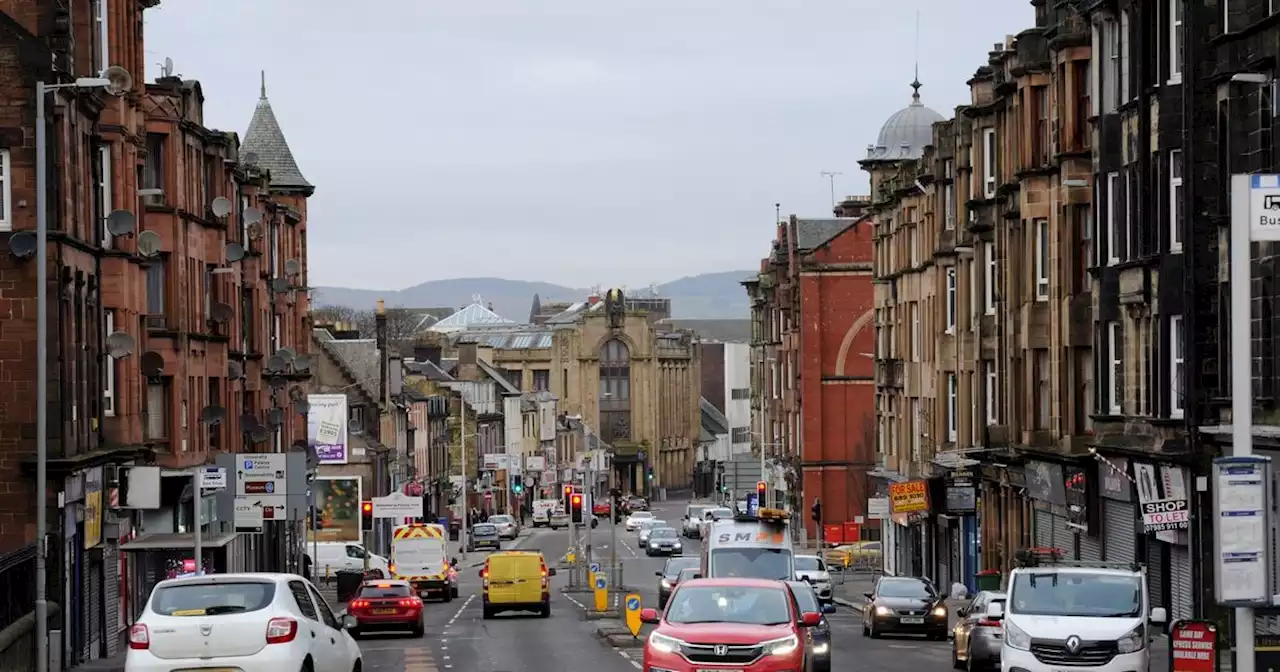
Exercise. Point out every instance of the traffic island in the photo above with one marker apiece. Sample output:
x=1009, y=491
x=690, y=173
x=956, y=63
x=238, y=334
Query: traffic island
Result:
x=624, y=641
x=593, y=615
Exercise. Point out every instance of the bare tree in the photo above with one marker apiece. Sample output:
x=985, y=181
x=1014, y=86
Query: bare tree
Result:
x=400, y=321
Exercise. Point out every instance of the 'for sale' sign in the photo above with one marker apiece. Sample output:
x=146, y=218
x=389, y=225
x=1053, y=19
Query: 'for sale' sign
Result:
x=1166, y=514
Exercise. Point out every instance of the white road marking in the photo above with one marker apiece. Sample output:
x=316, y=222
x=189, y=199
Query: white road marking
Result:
x=460, y=610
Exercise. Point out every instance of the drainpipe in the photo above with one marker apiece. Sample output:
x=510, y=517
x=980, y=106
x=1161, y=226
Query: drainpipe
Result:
x=381, y=483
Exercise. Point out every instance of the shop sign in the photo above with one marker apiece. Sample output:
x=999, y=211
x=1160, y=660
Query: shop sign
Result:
x=909, y=497
x=1193, y=646
x=1166, y=514
x=1046, y=483
x=1076, y=490
x=1115, y=479
x=961, y=493
x=1166, y=507
x=878, y=508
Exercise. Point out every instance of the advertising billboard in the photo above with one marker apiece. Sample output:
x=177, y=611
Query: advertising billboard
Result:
x=327, y=427
x=338, y=507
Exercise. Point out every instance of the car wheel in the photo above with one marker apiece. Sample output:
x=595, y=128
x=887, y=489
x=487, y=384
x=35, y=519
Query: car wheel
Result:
x=956, y=663
x=874, y=634
x=824, y=666
x=969, y=663
x=448, y=594
x=454, y=591
x=358, y=666
x=545, y=612
x=487, y=613
x=419, y=631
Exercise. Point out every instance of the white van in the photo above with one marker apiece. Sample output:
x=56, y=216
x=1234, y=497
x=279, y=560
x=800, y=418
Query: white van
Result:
x=344, y=555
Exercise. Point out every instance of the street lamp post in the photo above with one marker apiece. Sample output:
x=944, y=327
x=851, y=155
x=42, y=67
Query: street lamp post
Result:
x=42, y=361
x=613, y=513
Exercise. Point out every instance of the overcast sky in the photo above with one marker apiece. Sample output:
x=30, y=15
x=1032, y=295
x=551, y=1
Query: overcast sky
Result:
x=574, y=141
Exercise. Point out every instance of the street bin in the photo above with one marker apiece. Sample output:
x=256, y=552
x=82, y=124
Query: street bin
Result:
x=348, y=584
x=991, y=579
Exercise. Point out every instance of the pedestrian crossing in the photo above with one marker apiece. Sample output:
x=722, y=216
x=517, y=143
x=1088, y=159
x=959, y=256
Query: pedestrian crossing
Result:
x=419, y=659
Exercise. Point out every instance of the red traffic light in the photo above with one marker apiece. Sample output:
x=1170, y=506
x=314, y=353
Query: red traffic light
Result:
x=568, y=489
x=577, y=501
x=366, y=507
x=761, y=487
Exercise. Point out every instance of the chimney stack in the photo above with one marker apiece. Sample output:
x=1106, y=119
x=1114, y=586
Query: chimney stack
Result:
x=380, y=336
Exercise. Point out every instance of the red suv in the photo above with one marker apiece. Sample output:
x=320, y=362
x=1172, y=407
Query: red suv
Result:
x=749, y=625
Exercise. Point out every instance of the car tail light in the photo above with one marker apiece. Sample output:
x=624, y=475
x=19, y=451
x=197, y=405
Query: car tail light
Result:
x=281, y=630
x=139, y=638
x=359, y=604
x=989, y=623
x=411, y=603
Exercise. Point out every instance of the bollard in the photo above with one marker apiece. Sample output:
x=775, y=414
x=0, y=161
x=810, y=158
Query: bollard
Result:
x=55, y=651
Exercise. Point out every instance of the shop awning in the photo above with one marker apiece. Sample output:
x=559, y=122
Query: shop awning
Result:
x=169, y=541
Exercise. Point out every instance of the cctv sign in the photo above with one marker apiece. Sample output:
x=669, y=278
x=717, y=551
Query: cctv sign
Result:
x=1166, y=514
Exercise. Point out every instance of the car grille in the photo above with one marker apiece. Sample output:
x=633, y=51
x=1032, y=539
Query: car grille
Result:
x=912, y=612
x=1091, y=654
x=734, y=654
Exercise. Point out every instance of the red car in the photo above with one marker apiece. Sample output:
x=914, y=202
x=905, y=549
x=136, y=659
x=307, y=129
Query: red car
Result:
x=386, y=605
x=747, y=625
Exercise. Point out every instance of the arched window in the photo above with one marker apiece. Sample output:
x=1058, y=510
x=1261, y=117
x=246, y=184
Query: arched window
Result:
x=615, y=391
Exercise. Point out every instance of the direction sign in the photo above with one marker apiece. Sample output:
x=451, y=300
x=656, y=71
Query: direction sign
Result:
x=248, y=518
x=601, y=585
x=261, y=474
x=1264, y=207
x=602, y=581
x=595, y=567
x=633, y=613
x=397, y=505
x=213, y=478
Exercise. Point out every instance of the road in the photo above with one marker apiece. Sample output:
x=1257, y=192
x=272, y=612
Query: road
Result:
x=458, y=638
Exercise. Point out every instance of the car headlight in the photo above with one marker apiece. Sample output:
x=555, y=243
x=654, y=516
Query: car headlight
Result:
x=883, y=611
x=1016, y=637
x=821, y=649
x=781, y=647
x=666, y=584
x=653, y=544
x=1136, y=640
x=664, y=643
x=940, y=612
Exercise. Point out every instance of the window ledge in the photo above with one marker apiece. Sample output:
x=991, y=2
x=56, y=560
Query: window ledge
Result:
x=1174, y=80
x=1175, y=249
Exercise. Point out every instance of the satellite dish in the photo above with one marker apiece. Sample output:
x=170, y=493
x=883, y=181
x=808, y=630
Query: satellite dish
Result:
x=235, y=252
x=22, y=245
x=287, y=354
x=121, y=222
x=255, y=231
x=121, y=80
x=276, y=363
x=166, y=70
x=120, y=345
x=252, y=215
x=213, y=415
x=152, y=363
x=277, y=382
x=221, y=206
x=259, y=434
x=250, y=158
x=220, y=312
x=302, y=407
x=301, y=363
x=296, y=393
x=148, y=243
x=275, y=417
x=292, y=267
x=248, y=422
x=235, y=370
x=280, y=285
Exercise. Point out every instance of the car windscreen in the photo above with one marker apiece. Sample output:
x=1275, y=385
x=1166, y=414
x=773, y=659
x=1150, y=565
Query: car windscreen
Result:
x=729, y=604
x=385, y=590
x=211, y=599
x=809, y=564
x=752, y=563
x=718, y=514
x=1076, y=594
x=482, y=530
x=806, y=599
x=676, y=565
x=500, y=519
x=905, y=588
x=697, y=511
x=663, y=533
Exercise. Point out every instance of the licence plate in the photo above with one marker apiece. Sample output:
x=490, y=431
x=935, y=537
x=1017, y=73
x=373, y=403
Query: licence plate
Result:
x=208, y=669
x=384, y=611
x=917, y=620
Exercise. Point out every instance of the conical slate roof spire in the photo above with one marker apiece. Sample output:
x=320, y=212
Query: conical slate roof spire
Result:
x=265, y=139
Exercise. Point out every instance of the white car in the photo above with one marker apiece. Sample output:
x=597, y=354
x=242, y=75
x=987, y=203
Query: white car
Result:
x=255, y=622
x=634, y=520
x=507, y=528
x=812, y=569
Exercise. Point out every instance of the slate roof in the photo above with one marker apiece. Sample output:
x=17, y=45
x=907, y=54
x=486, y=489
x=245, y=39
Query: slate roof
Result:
x=358, y=359
x=724, y=331
x=500, y=380
x=521, y=339
x=427, y=369
x=265, y=139
x=814, y=233
x=712, y=419
x=470, y=317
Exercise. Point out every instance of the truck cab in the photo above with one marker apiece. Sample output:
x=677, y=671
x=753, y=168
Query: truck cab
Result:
x=749, y=546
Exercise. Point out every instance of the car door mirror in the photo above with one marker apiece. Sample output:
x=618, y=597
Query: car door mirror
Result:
x=869, y=596
x=1159, y=615
x=811, y=619
x=551, y=571
x=995, y=611
x=349, y=622
x=828, y=608
x=648, y=615
x=660, y=575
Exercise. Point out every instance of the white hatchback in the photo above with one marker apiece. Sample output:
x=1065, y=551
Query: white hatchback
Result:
x=634, y=520
x=255, y=622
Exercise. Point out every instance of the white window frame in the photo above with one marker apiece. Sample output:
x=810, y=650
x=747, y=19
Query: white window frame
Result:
x=104, y=165
x=992, y=396
x=1042, y=259
x=1176, y=35
x=1127, y=90
x=953, y=408
x=989, y=162
x=6, y=191
x=1177, y=366
x=949, y=205
x=1115, y=354
x=102, y=25
x=109, y=368
x=1115, y=229
x=915, y=429
x=915, y=332
x=1175, y=199
x=951, y=299
x=989, y=279
x=1226, y=16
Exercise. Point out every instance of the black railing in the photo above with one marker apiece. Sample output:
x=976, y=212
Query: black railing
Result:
x=17, y=584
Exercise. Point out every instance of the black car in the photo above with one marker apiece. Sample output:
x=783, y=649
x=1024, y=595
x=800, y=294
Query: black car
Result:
x=901, y=605
x=820, y=636
x=670, y=576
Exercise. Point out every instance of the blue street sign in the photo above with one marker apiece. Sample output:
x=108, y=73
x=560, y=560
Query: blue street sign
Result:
x=601, y=582
x=595, y=567
x=753, y=504
x=633, y=604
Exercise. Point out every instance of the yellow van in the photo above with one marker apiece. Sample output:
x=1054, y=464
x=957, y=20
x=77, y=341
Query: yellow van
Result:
x=517, y=581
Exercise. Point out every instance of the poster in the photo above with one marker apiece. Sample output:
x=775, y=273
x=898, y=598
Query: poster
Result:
x=92, y=507
x=327, y=427
x=338, y=506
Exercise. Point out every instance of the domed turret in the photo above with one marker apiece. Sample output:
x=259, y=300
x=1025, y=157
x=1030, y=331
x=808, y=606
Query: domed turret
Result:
x=905, y=133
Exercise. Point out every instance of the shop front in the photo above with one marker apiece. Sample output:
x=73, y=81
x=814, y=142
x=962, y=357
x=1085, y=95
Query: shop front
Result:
x=909, y=516
x=1005, y=518
x=1119, y=510
x=955, y=529
x=1166, y=508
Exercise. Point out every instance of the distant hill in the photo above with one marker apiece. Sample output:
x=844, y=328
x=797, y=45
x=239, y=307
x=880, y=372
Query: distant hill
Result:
x=706, y=296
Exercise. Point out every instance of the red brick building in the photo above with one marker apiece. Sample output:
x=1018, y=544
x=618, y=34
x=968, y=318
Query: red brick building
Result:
x=814, y=340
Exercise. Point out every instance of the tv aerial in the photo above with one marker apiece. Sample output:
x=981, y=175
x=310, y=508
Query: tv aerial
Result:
x=235, y=252
x=292, y=267
x=221, y=312
x=213, y=415
x=235, y=370
x=166, y=68
x=250, y=158
x=152, y=364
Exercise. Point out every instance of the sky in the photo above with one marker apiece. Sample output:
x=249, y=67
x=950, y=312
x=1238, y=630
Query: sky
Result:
x=581, y=142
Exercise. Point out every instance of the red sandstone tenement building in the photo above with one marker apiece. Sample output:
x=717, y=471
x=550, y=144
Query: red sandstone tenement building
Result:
x=813, y=337
x=194, y=309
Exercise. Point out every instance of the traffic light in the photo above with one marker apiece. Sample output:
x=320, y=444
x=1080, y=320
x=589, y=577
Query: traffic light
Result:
x=762, y=491
x=517, y=484
x=568, y=491
x=651, y=473
x=575, y=508
x=366, y=512
x=816, y=510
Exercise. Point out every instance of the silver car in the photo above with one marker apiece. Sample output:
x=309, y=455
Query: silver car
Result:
x=664, y=541
x=507, y=526
x=647, y=527
x=976, y=640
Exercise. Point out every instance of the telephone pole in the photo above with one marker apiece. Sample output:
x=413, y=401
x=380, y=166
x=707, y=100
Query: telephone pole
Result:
x=831, y=178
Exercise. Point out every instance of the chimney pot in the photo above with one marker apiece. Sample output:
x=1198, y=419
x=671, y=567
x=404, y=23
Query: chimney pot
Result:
x=382, y=307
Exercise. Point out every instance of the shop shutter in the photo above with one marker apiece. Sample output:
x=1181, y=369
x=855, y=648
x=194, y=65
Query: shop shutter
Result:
x=942, y=556
x=111, y=585
x=1182, y=594
x=1090, y=547
x=1043, y=529
x=1119, y=521
x=1064, y=538
x=1155, y=571
x=94, y=604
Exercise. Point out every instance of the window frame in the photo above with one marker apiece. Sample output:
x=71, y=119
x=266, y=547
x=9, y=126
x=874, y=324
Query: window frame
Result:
x=108, y=367
x=1176, y=40
x=989, y=279
x=1176, y=168
x=915, y=331
x=953, y=408
x=1177, y=367
x=989, y=151
x=1115, y=229
x=1115, y=364
x=992, y=394
x=1042, y=259
x=6, y=190
x=952, y=291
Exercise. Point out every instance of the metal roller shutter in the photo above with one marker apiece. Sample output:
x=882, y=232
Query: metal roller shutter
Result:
x=1090, y=547
x=1182, y=593
x=1155, y=572
x=942, y=555
x=1043, y=529
x=93, y=603
x=1064, y=538
x=111, y=584
x=1118, y=531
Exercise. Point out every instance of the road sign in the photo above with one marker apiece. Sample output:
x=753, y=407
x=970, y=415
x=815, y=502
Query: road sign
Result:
x=248, y=518
x=1264, y=207
x=601, y=585
x=633, y=614
x=397, y=505
x=213, y=478
x=261, y=474
x=595, y=567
